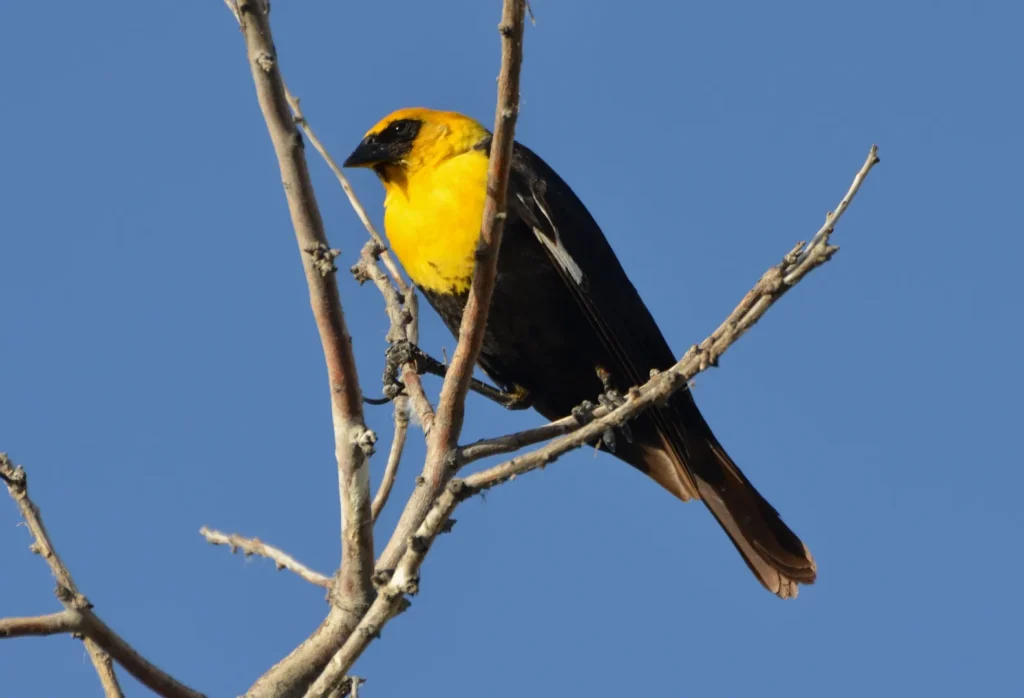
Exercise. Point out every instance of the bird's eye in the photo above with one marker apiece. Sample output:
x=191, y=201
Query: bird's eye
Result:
x=401, y=130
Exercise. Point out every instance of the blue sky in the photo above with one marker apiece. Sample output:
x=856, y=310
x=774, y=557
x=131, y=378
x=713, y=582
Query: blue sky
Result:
x=160, y=369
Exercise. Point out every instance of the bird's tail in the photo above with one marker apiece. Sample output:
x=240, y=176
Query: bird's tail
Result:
x=773, y=552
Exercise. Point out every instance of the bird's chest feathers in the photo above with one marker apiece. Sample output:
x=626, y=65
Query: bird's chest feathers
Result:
x=433, y=221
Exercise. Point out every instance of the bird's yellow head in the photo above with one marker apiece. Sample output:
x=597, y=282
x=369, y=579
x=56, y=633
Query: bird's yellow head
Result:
x=409, y=140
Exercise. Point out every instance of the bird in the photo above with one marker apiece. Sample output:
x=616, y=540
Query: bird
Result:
x=566, y=325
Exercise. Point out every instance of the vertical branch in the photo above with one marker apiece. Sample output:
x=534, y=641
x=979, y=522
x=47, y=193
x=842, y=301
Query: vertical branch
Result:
x=444, y=435
x=451, y=407
x=353, y=589
x=352, y=440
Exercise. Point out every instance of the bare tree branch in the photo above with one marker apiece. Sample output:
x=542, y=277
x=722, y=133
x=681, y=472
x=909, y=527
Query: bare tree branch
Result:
x=104, y=669
x=66, y=621
x=397, y=281
x=100, y=639
x=443, y=439
x=511, y=443
x=380, y=500
x=451, y=407
x=352, y=590
x=353, y=441
x=254, y=546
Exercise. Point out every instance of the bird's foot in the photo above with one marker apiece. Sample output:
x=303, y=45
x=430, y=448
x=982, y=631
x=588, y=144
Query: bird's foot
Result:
x=519, y=398
x=404, y=352
x=610, y=400
x=399, y=354
x=583, y=413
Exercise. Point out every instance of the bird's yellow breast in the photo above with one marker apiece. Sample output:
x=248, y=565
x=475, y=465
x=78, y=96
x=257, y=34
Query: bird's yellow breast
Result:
x=432, y=219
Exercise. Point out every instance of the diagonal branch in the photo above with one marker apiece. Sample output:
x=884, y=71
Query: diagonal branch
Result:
x=404, y=579
x=254, y=546
x=443, y=439
x=101, y=642
x=510, y=443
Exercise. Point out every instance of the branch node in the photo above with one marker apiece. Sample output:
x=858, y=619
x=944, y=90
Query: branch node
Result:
x=365, y=439
x=359, y=272
x=323, y=258
x=381, y=578
x=265, y=61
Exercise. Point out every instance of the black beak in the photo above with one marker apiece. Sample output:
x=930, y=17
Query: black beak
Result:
x=369, y=153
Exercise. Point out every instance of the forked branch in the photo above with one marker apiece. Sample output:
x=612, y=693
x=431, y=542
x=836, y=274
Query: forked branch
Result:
x=102, y=643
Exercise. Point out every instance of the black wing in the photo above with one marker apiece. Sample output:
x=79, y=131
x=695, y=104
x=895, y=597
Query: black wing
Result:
x=539, y=200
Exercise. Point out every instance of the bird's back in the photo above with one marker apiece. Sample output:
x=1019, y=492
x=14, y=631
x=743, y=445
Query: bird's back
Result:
x=566, y=324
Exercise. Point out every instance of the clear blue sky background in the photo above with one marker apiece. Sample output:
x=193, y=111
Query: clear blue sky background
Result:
x=160, y=369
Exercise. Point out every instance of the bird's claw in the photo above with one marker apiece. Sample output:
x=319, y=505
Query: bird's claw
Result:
x=610, y=400
x=519, y=398
x=583, y=413
x=397, y=355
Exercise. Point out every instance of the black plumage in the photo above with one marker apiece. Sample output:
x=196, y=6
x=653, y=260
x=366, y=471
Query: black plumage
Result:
x=564, y=310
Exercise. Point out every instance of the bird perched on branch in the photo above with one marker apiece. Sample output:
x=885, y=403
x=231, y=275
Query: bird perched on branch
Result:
x=566, y=324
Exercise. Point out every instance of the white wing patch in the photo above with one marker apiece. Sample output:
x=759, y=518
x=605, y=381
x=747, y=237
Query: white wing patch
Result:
x=555, y=247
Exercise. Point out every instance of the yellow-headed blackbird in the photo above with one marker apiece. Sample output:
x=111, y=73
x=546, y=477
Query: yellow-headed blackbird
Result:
x=566, y=324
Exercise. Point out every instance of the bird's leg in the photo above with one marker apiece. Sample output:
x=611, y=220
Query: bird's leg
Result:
x=397, y=355
x=404, y=351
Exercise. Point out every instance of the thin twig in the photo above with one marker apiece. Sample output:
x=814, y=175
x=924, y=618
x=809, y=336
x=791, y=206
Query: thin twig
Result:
x=352, y=590
x=100, y=639
x=404, y=578
x=443, y=439
x=357, y=205
x=254, y=546
x=394, y=456
x=510, y=443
